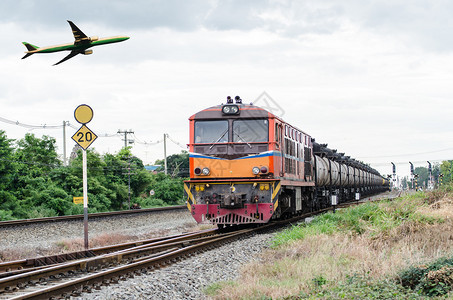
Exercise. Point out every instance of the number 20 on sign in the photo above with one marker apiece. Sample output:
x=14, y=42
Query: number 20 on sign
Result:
x=84, y=137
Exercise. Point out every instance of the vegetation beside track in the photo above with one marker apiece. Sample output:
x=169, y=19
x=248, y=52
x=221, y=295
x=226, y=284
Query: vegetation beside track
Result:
x=34, y=183
x=400, y=249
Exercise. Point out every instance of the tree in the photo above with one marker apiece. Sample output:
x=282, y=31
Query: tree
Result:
x=7, y=166
x=423, y=175
x=166, y=188
x=446, y=168
x=177, y=164
x=36, y=156
x=34, y=183
x=134, y=170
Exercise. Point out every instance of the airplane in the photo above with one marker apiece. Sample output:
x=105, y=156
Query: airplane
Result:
x=80, y=46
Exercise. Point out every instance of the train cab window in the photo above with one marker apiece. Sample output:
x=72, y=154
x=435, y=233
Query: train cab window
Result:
x=211, y=131
x=250, y=131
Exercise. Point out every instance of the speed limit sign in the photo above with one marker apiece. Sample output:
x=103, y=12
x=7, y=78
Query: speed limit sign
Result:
x=84, y=137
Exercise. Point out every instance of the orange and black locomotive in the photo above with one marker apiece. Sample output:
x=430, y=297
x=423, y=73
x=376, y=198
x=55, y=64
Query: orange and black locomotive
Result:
x=247, y=165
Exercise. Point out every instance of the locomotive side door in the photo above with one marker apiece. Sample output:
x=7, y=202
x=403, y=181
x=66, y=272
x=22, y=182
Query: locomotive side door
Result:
x=282, y=150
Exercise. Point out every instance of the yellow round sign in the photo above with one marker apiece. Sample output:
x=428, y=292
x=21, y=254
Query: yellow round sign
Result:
x=83, y=114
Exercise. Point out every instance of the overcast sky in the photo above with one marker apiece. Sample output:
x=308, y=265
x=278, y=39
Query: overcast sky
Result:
x=370, y=78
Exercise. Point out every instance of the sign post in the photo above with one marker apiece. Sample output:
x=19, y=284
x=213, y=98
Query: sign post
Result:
x=84, y=137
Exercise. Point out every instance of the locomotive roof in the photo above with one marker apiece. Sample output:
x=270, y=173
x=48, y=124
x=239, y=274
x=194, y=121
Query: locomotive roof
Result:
x=246, y=111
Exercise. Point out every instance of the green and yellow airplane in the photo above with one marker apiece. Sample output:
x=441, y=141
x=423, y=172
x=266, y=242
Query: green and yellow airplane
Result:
x=80, y=46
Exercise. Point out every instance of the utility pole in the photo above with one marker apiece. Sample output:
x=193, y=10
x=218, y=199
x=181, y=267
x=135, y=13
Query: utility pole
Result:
x=129, y=179
x=412, y=175
x=125, y=132
x=64, y=143
x=394, y=184
x=165, y=153
x=430, y=178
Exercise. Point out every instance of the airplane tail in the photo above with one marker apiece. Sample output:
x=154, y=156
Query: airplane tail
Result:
x=30, y=47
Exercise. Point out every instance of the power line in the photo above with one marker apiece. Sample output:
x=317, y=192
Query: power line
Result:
x=138, y=141
x=45, y=126
x=108, y=135
x=175, y=142
x=406, y=163
x=404, y=155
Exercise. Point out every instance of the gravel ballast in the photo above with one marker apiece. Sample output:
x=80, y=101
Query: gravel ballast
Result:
x=32, y=240
x=188, y=278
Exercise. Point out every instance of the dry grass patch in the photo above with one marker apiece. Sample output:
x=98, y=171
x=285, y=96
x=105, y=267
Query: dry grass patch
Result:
x=442, y=208
x=324, y=261
x=14, y=254
x=105, y=239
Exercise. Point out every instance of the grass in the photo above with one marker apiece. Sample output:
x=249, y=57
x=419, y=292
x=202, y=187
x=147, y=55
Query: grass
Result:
x=372, y=218
x=357, y=253
x=70, y=245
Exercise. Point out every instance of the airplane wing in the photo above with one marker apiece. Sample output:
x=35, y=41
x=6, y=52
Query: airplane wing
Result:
x=70, y=55
x=79, y=36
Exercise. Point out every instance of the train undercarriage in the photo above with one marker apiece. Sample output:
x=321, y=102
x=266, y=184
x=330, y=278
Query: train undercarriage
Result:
x=245, y=202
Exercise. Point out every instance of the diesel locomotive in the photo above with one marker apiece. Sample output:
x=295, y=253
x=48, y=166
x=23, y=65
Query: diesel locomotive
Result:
x=248, y=165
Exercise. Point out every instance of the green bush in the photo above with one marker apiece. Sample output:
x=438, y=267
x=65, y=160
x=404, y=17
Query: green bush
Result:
x=169, y=189
x=5, y=215
x=40, y=212
x=435, y=279
x=361, y=287
x=150, y=202
x=75, y=209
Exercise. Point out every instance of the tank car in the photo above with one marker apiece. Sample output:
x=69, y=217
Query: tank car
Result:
x=248, y=165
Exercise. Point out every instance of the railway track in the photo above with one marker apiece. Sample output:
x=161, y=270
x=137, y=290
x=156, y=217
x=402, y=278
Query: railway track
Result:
x=108, y=266
x=11, y=268
x=90, y=216
x=71, y=278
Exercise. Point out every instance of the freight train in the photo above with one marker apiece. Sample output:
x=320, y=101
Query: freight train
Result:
x=248, y=165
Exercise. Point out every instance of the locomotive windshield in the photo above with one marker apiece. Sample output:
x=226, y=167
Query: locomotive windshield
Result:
x=211, y=131
x=250, y=131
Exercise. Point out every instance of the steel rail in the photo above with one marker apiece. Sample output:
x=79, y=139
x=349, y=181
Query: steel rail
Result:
x=77, y=286
x=12, y=268
x=92, y=215
x=140, y=254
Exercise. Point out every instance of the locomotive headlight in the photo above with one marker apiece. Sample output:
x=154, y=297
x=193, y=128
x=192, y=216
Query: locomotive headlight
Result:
x=230, y=110
x=197, y=171
x=256, y=170
x=264, y=170
x=206, y=171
